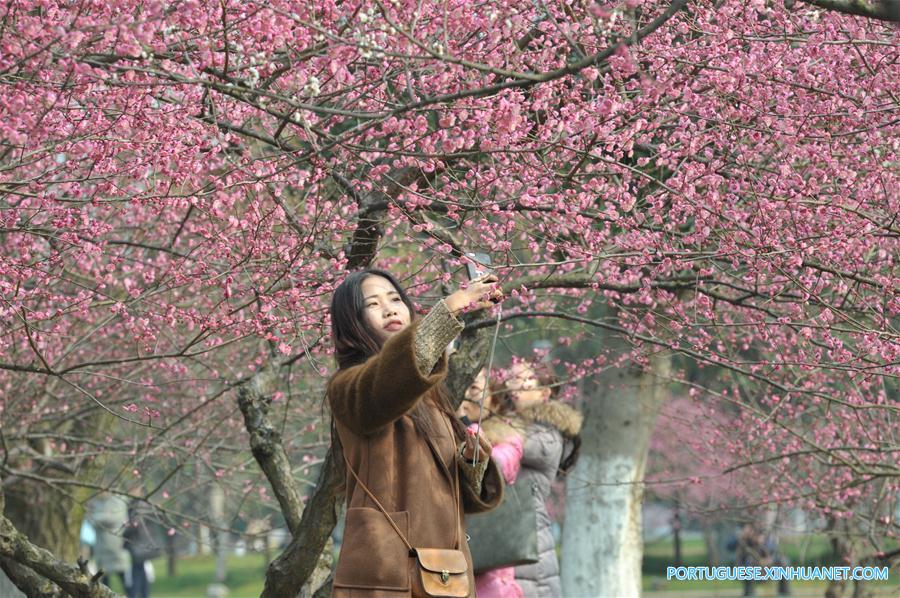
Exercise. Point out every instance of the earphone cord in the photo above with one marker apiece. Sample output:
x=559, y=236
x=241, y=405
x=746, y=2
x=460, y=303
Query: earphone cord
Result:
x=487, y=378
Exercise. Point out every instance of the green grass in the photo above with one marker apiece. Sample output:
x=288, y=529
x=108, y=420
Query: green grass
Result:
x=245, y=577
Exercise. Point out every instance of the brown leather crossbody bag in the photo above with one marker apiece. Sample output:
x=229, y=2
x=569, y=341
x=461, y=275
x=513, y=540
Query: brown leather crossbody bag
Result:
x=443, y=572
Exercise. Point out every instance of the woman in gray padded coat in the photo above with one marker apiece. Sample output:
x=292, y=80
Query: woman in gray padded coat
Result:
x=549, y=429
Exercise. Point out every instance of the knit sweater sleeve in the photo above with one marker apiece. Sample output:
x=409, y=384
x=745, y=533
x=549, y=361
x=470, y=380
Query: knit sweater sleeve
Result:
x=435, y=332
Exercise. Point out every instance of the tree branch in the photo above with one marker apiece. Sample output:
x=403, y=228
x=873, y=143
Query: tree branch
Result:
x=372, y=207
x=581, y=281
x=882, y=10
x=287, y=574
x=570, y=69
x=29, y=582
x=254, y=400
x=15, y=547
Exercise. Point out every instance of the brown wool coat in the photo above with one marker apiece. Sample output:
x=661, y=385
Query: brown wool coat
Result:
x=411, y=476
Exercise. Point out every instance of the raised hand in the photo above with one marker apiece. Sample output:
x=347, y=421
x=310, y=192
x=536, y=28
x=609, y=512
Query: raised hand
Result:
x=479, y=294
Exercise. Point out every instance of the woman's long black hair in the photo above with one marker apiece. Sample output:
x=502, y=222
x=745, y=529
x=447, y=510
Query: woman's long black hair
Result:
x=355, y=342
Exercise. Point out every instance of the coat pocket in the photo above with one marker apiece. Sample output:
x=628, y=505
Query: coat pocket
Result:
x=372, y=554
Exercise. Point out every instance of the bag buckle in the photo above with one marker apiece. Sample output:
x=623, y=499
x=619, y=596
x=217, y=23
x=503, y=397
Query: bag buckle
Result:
x=445, y=576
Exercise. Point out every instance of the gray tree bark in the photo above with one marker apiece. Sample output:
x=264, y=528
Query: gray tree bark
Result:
x=602, y=545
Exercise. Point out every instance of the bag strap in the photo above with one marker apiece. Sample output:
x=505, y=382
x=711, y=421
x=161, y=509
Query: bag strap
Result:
x=455, y=490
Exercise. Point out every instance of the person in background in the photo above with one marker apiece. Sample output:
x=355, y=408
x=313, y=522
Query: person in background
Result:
x=754, y=548
x=108, y=514
x=507, y=454
x=550, y=430
x=142, y=547
x=87, y=537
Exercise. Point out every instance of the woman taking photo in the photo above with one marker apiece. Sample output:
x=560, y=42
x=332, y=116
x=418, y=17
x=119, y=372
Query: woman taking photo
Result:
x=410, y=462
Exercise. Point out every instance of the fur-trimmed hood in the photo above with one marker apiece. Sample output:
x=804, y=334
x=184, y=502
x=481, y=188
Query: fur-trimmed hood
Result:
x=563, y=417
x=499, y=428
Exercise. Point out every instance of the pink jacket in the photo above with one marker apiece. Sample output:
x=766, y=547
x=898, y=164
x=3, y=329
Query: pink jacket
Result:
x=501, y=583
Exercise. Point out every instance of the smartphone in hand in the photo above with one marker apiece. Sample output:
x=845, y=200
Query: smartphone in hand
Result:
x=479, y=265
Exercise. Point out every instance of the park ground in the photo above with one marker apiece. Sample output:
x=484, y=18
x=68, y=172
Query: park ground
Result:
x=246, y=574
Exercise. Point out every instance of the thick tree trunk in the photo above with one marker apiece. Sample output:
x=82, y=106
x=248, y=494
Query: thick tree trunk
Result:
x=843, y=553
x=711, y=540
x=602, y=545
x=172, y=556
x=48, y=518
x=676, y=534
